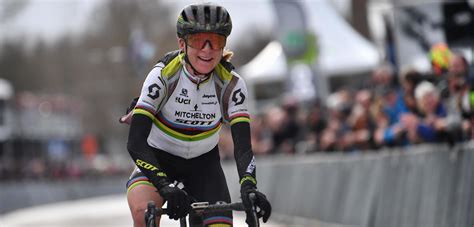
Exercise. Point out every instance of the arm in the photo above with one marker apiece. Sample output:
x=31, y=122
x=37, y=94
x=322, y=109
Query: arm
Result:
x=238, y=116
x=152, y=95
x=247, y=171
x=142, y=154
x=243, y=152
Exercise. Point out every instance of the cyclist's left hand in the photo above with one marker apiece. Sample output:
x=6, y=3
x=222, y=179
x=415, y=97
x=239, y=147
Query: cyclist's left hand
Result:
x=260, y=202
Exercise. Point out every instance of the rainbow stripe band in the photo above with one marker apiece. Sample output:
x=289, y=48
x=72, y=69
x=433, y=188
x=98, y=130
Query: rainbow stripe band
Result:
x=240, y=119
x=175, y=134
x=144, y=112
x=218, y=221
x=138, y=181
x=219, y=225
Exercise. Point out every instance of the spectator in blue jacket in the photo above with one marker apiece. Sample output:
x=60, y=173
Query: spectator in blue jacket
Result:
x=430, y=122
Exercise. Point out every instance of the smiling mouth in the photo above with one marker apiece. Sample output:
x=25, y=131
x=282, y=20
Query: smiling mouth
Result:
x=205, y=59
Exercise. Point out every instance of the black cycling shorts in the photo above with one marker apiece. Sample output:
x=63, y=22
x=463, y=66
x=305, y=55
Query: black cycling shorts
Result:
x=202, y=177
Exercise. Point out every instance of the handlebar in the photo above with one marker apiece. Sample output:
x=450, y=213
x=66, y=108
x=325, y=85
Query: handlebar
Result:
x=201, y=208
x=198, y=207
x=205, y=207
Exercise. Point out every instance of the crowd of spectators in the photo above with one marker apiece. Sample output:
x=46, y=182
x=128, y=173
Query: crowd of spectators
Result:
x=394, y=109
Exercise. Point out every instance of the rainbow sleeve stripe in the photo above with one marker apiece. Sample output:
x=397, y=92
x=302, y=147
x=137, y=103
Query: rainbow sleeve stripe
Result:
x=239, y=118
x=144, y=111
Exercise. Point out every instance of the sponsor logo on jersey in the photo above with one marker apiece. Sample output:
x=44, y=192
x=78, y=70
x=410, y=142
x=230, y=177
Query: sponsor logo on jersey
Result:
x=154, y=91
x=251, y=166
x=193, y=122
x=198, y=115
x=183, y=100
x=238, y=97
x=209, y=103
x=145, y=165
x=197, y=118
x=238, y=111
x=184, y=92
x=206, y=96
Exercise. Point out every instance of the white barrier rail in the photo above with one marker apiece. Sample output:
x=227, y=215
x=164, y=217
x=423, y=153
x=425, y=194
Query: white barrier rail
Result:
x=429, y=185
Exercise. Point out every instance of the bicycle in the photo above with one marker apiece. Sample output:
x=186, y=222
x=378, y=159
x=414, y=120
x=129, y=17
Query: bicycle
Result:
x=200, y=208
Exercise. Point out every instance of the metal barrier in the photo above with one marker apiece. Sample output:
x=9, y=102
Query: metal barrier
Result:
x=429, y=185
x=20, y=194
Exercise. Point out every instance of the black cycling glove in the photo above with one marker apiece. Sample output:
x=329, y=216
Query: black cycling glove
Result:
x=260, y=201
x=179, y=203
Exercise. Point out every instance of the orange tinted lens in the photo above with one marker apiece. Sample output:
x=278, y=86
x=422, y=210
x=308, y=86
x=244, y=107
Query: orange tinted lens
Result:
x=199, y=40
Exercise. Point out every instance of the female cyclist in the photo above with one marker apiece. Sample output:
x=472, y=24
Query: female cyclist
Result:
x=175, y=124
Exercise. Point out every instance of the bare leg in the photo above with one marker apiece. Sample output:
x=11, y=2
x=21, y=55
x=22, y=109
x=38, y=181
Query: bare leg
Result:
x=138, y=198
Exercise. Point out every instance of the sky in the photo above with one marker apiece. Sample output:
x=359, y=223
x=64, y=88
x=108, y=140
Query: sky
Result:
x=49, y=19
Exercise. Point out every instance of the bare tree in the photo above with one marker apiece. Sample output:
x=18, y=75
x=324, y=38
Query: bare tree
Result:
x=96, y=67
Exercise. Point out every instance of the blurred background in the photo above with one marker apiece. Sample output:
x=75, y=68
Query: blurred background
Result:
x=367, y=105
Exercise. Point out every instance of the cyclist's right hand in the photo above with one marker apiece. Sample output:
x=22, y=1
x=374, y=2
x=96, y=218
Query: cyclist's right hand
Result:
x=179, y=203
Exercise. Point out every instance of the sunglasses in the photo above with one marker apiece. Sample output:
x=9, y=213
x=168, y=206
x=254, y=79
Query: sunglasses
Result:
x=199, y=40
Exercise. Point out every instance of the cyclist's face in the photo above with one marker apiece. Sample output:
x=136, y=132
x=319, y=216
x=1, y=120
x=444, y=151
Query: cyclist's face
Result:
x=204, y=54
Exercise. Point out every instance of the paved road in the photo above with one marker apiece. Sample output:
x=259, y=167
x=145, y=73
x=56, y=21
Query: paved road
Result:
x=95, y=212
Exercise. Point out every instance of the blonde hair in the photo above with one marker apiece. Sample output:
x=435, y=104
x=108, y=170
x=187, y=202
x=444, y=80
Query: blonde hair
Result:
x=227, y=54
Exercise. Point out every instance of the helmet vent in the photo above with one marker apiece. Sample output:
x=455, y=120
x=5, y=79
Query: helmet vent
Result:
x=218, y=13
x=195, y=14
x=185, y=17
x=207, y=15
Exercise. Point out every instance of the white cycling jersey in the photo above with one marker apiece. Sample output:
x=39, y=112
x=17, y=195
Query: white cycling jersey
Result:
x=186, y=123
